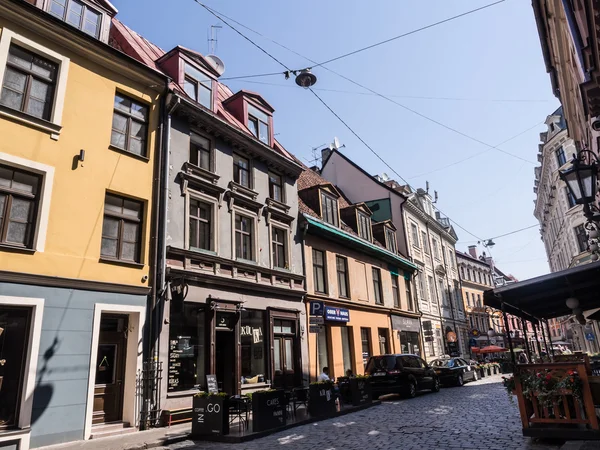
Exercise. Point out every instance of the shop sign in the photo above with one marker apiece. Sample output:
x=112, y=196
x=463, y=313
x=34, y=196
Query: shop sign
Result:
x=337, y=314
x=211, y=383
x=224, y=320
x=453, y=349
x=268, y=410
x=314, y=328
x=451, y=336
x=210, y=415
x=401, y=323
x=316, y=320
x=589, y=336
x=316, y=308
x=475, y=332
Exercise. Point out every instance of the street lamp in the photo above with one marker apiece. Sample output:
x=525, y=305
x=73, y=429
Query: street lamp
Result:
x=491, y=333
x=581, y=179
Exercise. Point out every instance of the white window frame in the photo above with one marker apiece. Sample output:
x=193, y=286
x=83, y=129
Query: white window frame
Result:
x=244, y=212
x=30, y=372
x=288, y=254
x=195, y=195
x=414, y=232
x=47, y=174
x=54, y=125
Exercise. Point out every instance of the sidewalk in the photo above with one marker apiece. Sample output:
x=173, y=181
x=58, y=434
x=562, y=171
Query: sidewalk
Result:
x=139, y=440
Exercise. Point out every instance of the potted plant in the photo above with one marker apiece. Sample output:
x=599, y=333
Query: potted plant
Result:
x=321, y=399
x=268, y=409
x=481, y=370
x=488, y=369
x=360, y=388
x=210, y=414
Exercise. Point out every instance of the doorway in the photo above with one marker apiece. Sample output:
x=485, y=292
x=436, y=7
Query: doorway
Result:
x=225, y=361
x=284, y=354
x=110, y=369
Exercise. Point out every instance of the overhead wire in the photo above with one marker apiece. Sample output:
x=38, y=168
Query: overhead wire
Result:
x=423, y=116
x=346, y=124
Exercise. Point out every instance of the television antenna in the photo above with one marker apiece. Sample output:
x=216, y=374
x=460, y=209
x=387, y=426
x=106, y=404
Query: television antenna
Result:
x=213, y=38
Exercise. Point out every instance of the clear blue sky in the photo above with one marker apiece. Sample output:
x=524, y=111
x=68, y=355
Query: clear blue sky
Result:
x=478, y=63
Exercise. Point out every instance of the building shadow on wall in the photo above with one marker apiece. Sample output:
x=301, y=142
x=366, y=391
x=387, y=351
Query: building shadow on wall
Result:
x=43, y=392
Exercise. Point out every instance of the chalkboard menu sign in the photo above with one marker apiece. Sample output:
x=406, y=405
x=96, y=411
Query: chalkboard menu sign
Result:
x=211, y=382
x=179, y=350
x=361, y=391
x=268, y=410
x=210, y=415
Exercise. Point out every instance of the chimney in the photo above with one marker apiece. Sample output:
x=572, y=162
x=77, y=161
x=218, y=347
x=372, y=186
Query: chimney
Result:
x=325, y=154
x=473, y=251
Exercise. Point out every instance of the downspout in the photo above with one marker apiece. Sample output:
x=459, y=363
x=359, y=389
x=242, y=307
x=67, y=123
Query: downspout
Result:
x=302, y=239
x=448, y=287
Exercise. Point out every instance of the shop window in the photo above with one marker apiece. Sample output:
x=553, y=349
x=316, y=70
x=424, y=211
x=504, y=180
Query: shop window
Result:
x=187, y=347
x=14, y=340
x=365, y=337
x=347, y=348
x=384, y=341
x=409, y=342
x=252, y=337
x=322, y=350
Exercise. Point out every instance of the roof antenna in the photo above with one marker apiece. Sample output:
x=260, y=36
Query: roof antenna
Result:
x=427, y=186
x=212, y=40
x=435, y=196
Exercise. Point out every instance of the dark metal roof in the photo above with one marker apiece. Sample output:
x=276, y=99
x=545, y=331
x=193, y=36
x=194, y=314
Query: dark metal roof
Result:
x=544, y=297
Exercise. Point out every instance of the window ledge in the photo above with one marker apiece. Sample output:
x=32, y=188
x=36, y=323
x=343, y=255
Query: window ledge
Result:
x=120, y=262
x=16, y=249
x=203, y=251
x=247, y=261
x=29, y=120
x=128, y=153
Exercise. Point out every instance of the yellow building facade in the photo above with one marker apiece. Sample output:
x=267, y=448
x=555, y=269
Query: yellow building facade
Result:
x=79, y=123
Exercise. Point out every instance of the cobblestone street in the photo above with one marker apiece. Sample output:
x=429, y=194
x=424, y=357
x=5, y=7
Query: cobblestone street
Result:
x=476, y=416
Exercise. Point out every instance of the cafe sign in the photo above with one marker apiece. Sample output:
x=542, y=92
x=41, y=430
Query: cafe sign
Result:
x=336, y=314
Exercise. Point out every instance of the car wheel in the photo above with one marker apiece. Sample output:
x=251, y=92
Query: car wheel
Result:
x=460, y=381
x=436, y=385
x=411, y=390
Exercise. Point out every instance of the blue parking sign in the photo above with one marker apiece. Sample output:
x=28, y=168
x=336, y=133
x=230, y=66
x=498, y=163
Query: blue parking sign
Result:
x=316, y=308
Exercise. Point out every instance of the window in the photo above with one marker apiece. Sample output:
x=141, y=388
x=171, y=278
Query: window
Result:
x=396, y=291
x=15, y=323
x=198, y=86
x=409, y=297
x=390, y=240
x=377, y=286
x=319, y=272
x=422, y=291
x=77, y=14
x=258, y=124
x=384, y=341
x=432, y=292
x=200, y=152
x=479, y=276
x=436, y=249
x=347, y=348
x=415, y=235
x=468, y=298
x=322, y=349
x=329, y=209
x=364, y=226
x=560, y=157
x=341, y=264
x=462, y=273
x=19, y=200
x=279, y=244
x=122, y=228
x=29, y=83
x=200, y=222
x=450, y=259
x=276, y=187
x=582, y=238
x=253, y=344
x=570, y=198
x=241, y=170
x=244, y=237
x=409, y=342
x=443, y=292
x=365, y=337
x=425, y=242
x=130, y=120
x=479, y=300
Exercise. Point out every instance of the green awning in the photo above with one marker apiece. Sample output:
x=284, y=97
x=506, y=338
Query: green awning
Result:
x=359, y=243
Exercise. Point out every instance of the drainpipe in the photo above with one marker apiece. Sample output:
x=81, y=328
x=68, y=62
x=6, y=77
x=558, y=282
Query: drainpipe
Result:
x=307, y=334
x=448, y=287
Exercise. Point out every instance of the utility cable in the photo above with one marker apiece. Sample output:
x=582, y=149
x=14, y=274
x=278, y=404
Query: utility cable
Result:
x=407, y=34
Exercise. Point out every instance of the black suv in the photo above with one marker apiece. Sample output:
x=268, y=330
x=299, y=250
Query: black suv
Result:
x=401, y=374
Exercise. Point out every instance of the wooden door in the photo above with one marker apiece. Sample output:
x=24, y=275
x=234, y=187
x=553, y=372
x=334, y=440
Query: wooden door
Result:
x=110, y=369
x=283, y=361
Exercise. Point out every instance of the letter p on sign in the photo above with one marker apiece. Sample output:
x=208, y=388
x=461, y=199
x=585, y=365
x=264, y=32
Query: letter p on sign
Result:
x=316, y=308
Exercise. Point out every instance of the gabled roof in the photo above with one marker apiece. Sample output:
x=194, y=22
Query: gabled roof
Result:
x=253, y=95
x=133, y=44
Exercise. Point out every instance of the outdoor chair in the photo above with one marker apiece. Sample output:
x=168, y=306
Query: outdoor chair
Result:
x=239, y=408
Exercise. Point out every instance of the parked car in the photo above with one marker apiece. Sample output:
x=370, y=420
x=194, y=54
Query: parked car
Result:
x=401, y=374
x=455, y=371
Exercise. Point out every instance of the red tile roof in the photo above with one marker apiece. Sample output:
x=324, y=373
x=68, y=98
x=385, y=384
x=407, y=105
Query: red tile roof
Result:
x=133, y=44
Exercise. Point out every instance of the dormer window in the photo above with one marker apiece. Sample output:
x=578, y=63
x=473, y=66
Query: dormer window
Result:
x=198, y=86
x=364, y=226
x=258, y=124
x=390, y=240
x=329, y=209
x=78, y=14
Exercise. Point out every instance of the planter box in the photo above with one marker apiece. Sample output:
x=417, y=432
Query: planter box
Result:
x=482, y=372
x=321, y=400
x=268, y=410
x=489, y=372
x=210, y=415
x=360, y=389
